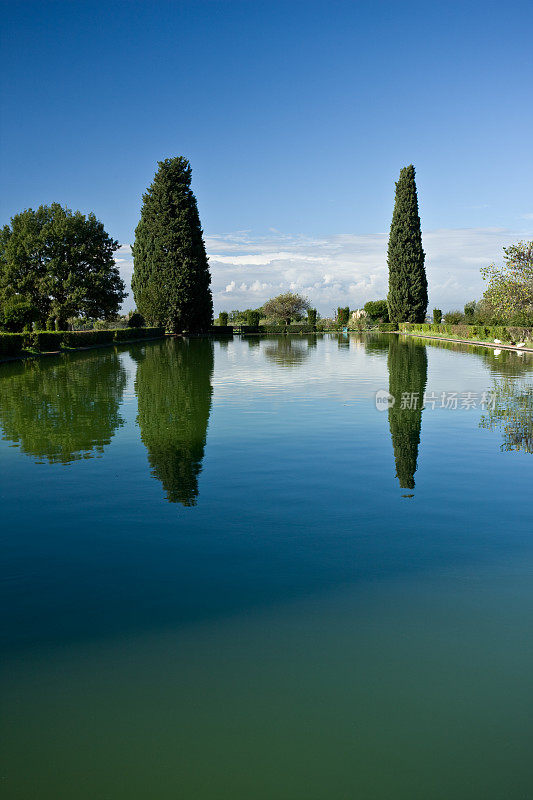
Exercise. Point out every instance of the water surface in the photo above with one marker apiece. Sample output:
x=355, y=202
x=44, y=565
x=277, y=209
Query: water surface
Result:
x=226, y=574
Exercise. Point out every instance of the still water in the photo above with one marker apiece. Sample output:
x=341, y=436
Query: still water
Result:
x=226, y=574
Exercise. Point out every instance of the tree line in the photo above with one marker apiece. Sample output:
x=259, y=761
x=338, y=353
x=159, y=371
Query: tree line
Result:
x=57, y=267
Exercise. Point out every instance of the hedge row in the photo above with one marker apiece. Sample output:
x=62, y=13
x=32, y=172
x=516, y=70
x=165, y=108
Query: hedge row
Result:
x=281, y=329
x=479, y=332
x=11, y=344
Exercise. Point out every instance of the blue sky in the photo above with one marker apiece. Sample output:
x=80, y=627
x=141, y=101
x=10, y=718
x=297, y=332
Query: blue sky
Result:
x=296, y=116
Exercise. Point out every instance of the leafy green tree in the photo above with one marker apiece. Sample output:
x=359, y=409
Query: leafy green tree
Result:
x=437, y=316
x=62, y=263
x=408, y=292
x=223, y=318
x=286, y=307
x=63, y=409
x=311, y=316
x=408, y=367
x=171, y=279
x=377, y=310
x=173, y=386
x=510, y=288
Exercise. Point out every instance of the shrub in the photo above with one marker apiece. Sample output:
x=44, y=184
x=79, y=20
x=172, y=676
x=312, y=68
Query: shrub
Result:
x=387, y=326
x=87, y=338
x=136, y=320
x=11, y=344
x=311, y=317
x=343, y=315
x=252, y=318
x=437, y=316
x=44, y=341
x=223, y=318
x=454, y=317
x=470, y=310
x=18, y=314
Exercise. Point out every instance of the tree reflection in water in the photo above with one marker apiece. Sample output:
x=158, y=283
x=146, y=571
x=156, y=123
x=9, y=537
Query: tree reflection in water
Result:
x=408, y=367
x=512, y=413
x=62, y=409
x=173, y=386
x=287, y=352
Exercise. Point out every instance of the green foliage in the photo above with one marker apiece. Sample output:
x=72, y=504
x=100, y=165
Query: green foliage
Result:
x=437, y=316
x=173, y=386
x=87, y=338
x=479, y=332
x=470, y=311
x=223, y=318
x=16, y=314
x=286, y=307
x=11, y=344
x=62, y=262
x=44, y=341
x=63, y=409
x=252, y=318
x=171, y=280
x=408, y=297
x=343, y=315
x=136, y=321
x=311, y=316
x=387, y=326
x=280, y=330
x=407, y=363
x=510, y=288
x=377, y=311
x=454, y=317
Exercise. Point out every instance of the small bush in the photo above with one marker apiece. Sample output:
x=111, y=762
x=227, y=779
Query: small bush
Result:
x=136, y=320
x=252, y=318
x=11, y=344
x=387, y=326
x=437, y=316
x=454, y=317
x=311, y=317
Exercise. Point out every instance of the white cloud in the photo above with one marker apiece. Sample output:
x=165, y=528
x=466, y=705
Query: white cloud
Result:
x=342, y=269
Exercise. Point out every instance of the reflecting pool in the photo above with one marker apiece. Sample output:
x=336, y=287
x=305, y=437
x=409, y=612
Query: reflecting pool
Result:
x=296, y=568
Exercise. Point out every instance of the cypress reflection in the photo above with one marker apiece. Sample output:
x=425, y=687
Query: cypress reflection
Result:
x=408, y=367
x=173, y=386
x=63, y=409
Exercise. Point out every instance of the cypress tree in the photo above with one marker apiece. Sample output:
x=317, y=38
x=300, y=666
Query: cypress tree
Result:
x=171, y=272
x=408, y=289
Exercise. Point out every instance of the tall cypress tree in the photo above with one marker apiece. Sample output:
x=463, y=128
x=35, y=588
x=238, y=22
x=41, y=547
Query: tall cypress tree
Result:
x=408, y=288
x=171, y=273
